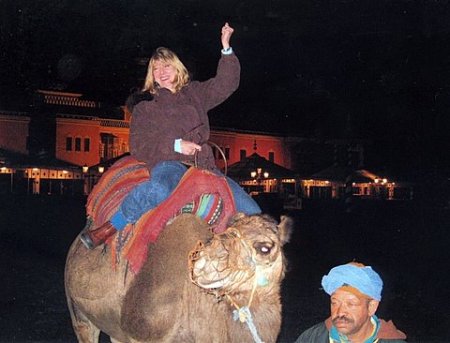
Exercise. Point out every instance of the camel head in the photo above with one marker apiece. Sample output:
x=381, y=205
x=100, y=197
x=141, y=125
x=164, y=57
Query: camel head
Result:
x=247, y=255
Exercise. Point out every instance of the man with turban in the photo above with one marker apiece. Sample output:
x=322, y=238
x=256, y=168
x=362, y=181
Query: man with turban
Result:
x=355, y=291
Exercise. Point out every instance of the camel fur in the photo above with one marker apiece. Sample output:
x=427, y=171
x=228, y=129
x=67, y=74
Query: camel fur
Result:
x=187, y=289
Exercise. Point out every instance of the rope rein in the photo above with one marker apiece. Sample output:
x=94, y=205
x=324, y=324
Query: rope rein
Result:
x=243, y=313
x=222, y=154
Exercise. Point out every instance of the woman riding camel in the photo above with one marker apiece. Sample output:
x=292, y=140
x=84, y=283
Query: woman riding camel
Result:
x=172, y=130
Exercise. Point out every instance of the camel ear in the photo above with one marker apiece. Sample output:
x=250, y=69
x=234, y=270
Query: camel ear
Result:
x=285, y=229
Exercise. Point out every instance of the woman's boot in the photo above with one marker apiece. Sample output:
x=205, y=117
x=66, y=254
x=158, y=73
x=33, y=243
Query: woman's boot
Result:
x=93, y=238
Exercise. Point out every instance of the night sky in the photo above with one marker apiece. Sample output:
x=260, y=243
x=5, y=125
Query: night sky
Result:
x=376, y=70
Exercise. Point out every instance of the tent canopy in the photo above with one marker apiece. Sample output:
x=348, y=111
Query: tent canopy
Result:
x=242, y=170
x=344, y=174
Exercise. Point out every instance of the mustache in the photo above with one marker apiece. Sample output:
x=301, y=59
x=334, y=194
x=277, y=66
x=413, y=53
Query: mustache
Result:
x=342, y=319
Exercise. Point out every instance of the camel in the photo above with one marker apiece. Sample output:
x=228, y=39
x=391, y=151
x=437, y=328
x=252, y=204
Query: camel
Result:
x=195, y=286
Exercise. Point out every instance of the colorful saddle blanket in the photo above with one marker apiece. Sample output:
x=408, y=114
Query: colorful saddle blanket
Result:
x=114, y=185
x=199, y=191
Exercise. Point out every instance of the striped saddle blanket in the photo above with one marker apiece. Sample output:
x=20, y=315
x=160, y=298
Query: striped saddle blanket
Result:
x=200, y=192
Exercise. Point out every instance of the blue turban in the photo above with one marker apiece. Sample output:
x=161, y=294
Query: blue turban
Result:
x=365, y=279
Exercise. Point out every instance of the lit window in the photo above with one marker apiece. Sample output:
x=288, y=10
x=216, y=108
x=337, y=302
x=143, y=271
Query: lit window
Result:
x=68, y=143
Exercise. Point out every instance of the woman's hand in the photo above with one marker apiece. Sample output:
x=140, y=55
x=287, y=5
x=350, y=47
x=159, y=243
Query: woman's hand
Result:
x=227, y=31
x=189, y=148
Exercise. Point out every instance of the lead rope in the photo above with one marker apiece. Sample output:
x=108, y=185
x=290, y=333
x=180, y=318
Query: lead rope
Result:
x=244, y=315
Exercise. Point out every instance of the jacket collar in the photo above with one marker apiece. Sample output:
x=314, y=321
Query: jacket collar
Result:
x=387, y=330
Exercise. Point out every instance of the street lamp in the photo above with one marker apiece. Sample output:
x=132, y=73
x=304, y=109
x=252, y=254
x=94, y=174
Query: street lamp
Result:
x=258, y=175
x=87, y=179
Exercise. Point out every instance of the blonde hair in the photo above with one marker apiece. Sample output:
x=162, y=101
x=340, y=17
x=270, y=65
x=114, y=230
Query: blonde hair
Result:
x=168, y=56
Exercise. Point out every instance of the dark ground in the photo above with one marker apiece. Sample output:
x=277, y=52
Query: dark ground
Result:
x=407, y=243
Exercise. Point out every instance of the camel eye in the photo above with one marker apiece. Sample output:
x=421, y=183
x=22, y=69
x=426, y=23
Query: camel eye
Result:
x=263, y=248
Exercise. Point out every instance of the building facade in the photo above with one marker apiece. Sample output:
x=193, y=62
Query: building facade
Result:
x=80, y=137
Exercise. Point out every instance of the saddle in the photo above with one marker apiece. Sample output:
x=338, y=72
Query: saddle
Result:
x=114, y=185
x=199, y=191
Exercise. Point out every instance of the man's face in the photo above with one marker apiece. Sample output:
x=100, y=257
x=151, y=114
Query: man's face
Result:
x=351, y=314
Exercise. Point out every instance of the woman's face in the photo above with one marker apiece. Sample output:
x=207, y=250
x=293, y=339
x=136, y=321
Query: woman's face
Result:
x=164, y=75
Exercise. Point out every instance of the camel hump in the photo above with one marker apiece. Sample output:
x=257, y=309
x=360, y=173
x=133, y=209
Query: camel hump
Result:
x=88, y=270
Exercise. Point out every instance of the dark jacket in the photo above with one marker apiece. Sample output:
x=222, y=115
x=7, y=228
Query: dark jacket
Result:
x=388, y=333
x=156, y=124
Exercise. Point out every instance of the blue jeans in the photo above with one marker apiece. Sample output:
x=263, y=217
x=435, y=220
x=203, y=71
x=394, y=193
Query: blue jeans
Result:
x=163, y=180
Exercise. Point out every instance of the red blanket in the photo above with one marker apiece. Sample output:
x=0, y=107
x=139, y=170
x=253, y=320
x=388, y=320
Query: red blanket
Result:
x=127, y=173
x=194, y=183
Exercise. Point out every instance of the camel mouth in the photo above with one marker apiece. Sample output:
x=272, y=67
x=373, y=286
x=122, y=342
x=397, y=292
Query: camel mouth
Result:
x=211, y=279
x=210, y=284
x=207, y=280
x=213, y=272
